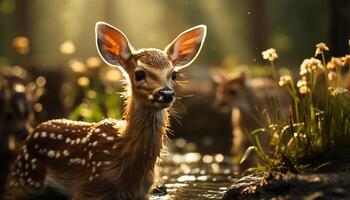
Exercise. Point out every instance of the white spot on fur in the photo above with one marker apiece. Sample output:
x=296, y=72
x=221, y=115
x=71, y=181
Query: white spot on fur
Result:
x=58, y=154
x=43, y=134
x=52, y=135
x=65, y=153
x=51, y=153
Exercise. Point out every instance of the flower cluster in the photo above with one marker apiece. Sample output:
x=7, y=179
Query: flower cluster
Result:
x=302, y=85
x=320, y=48
x=345, y=60
x=335, y=91
x=270, y=54
x=310, y=65
x=334, y=63
x=332, y=76
x=284, y=80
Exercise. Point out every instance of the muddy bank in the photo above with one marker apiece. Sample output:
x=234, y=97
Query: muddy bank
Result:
x=291, y=186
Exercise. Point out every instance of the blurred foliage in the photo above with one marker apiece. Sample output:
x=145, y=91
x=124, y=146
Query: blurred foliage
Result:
x=237, y=29
x=99, y=85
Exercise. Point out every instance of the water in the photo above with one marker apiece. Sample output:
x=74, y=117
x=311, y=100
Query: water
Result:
x=192, y=175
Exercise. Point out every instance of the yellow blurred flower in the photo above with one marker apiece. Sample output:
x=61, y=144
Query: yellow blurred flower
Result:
x=38, y=107
x=83, y=81
x=302, y=82
x=92, y=94
x=334, y=63
x=17, y=71
x=21, y=44
x=40, y=81
x=332, y=76
x=320, y=48
x=20, y=88
x=112, y=75
x=270, y=54
x=310, y=65
x=337, y=91
x=67, y=47
x=93, y=62
x=77, y=66
x=284, y=80
x=345, y=60
x=85, y=111
x=304, y=89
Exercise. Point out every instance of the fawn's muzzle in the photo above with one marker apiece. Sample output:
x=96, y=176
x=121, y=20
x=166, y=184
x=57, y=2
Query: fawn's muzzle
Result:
x=165, y=95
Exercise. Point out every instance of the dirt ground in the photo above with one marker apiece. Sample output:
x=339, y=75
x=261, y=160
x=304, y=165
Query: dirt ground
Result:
x=291, y=186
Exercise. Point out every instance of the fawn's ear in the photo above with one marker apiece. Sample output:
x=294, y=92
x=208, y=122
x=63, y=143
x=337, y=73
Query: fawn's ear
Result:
x=185, y=48
x=112, y=45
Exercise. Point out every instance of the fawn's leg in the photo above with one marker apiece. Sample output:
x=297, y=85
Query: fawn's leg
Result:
x=27, y=177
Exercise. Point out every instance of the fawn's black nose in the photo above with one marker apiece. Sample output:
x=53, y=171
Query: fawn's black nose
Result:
x=165, y=95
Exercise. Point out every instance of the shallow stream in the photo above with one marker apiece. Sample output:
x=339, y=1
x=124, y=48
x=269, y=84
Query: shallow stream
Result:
x=192, y=175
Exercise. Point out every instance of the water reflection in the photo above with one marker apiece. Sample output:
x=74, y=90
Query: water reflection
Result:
x=192, y=175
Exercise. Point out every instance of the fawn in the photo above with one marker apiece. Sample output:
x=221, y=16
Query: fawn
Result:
x=110, y=159
x=247, y=99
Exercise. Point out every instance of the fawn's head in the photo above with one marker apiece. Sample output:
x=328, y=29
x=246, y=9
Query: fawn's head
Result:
x=152, y=72
x=230, y=91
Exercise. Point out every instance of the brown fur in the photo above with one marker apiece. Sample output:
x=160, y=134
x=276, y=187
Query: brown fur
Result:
x=247, y=99
x=110, y=159
x=153, y=57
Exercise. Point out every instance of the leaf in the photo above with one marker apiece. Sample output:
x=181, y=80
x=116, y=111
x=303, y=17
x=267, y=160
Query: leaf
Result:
x=257, y=131
x=247, y=153
x=321, y=165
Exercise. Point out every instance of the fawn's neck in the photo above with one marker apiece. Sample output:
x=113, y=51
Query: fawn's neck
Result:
x=144, y=131
x=246, y=110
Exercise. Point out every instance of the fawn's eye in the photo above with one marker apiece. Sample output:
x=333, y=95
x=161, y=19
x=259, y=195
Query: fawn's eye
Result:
x=139, y=75
x=173, y=75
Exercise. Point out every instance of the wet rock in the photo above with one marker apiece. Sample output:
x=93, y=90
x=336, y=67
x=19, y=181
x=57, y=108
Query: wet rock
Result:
x=291, y=186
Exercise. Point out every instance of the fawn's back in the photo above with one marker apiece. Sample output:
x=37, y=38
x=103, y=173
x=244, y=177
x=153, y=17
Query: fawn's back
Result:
x=77, y=148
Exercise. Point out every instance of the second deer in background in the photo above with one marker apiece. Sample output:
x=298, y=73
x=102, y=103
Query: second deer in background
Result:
x=248, y=99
